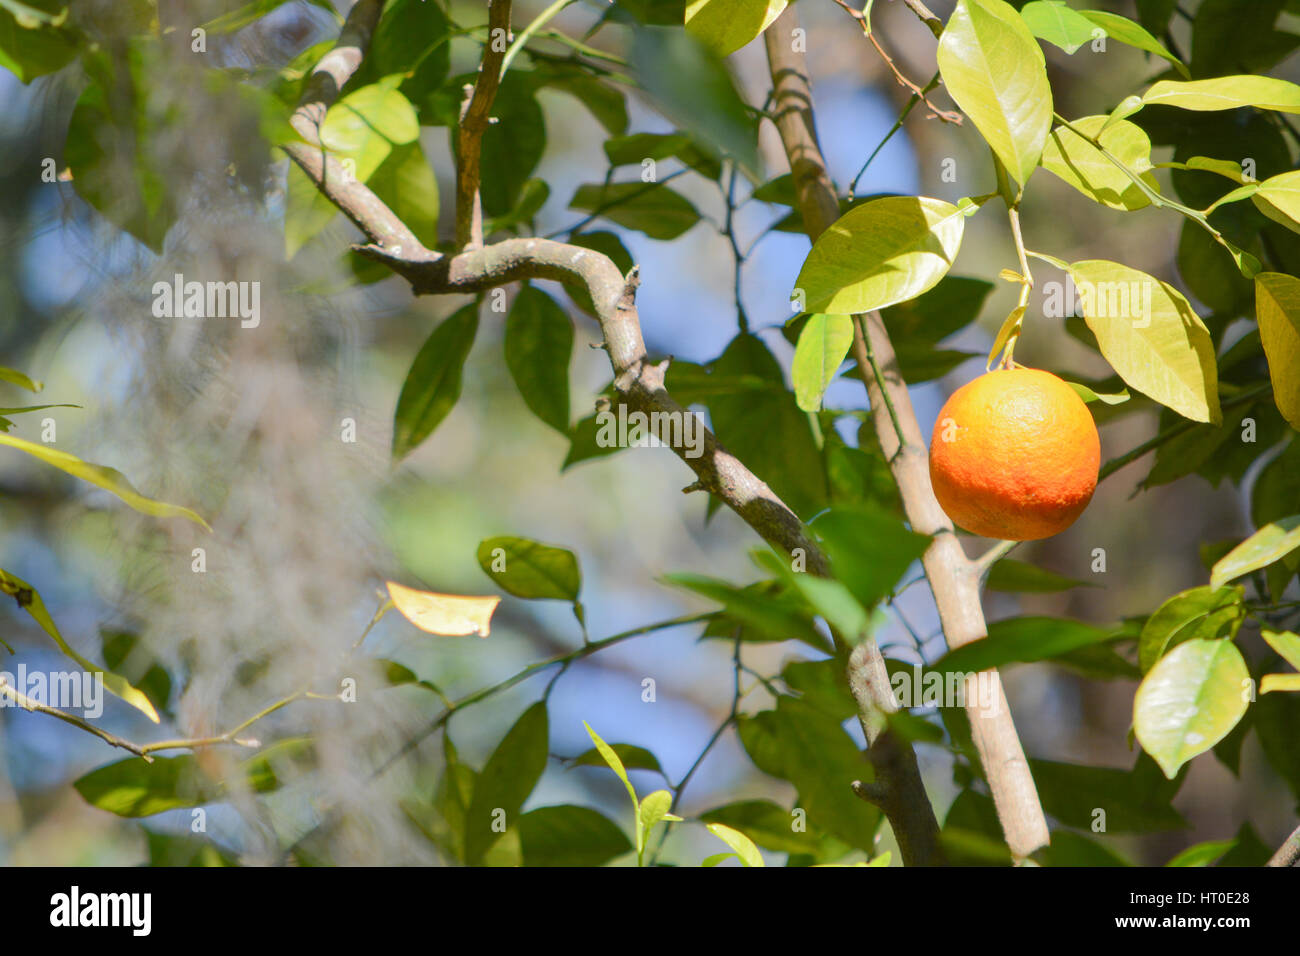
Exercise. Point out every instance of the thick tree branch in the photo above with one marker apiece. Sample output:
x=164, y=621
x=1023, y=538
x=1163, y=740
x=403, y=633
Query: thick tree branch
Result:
x=475, y=117
x=952, y=579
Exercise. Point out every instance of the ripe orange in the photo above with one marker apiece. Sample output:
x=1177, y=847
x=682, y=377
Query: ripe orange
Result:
x=1014, y=455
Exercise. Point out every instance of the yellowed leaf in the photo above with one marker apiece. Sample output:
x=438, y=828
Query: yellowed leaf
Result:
x=449, y=615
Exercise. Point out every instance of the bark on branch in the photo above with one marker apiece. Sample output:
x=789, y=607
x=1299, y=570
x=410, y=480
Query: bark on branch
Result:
x=952, y=579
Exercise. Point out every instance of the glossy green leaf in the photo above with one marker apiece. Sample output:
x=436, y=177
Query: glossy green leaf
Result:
x=136, y=788
x=654, y=808
x=1086, y=168
x=538, y=346
x=110, y=479
x=1131, y=34
x=879, y=254
x=29, y=599
x=651, y=208
x=724, y=26
x=1150, y=335
x=506, y=780
x=405, y=182
x=995, y=72
x=1226, y=93
x=743, y=846
x=1200, y=613
x=1278, y=197
x=1270, y=543
x=569, y=835
x=365, y=125
x=1202, y=854
x=513, y=146
x=432, y=385
x=1277, y=306
x=823, y=345
x=530, y=569
x=1058, y=24
x=822, y=684
x=1189, y=701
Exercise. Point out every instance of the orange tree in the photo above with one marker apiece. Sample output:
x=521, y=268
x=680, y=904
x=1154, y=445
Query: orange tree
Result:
x=1211, y=349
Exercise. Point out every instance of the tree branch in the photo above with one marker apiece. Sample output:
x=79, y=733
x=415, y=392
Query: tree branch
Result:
x=955, y=585
x=1288, y=854
x=474, y=121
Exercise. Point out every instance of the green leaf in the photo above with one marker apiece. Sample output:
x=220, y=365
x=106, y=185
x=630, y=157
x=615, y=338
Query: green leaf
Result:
x=538, y=346
x=513, y=146
x=616, y=765
x=1053, y=21
x=603, y=100
x=1271, y=683
x=1129, y=33
x=1270, y=543
x=569, y=835
x=1286, y=643
x=1202, y=854
x=124, y=654
x=306, y=211
x=1200, y=613
x=822, y=684
x=879, y=254
x=406, y=183
x=768, y=616
x=1088, y=395
x=1135, y=801
x=652, y=810
x=1226, y=93
x=530, y=569
x=869, y=549
x=744, y=847
x=35, y=44
x=1075, y=160
x=799, y=743
x=365, y=125
x=691, y=86
x=18, y=378
x=995, y=72
x=651, y=208
x=724, y=26
x=29, y=599
x=136, y=788
x=432, y=385
x=823, y=345
x=110, y=479
x=1070, y=849
x=1278, y=197
x=951, y=305
x=1189, y=701
x=1150, y=335
x=765, y=429
x=630, y=756
x=412, y=39
x=766, y=824
x=1021, y=640
x=1277, y=305
x=506, y=780
x=826, y=596
x=1024, y=578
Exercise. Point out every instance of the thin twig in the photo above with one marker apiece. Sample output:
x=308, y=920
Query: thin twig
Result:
x=1288, y=854
x=474, y=121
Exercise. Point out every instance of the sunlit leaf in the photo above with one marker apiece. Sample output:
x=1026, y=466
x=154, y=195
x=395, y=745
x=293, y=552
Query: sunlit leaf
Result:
x=1226, y=93
x=823, y=344
x=724, y=26
x=1270, y=543
x=744, y=847
x=1075, y=160
x=1197, y=613
x=449, y=615
x=530, y=569
x=1277, y=306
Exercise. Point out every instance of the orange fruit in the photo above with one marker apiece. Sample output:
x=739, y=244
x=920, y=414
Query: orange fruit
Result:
x=1014, y=455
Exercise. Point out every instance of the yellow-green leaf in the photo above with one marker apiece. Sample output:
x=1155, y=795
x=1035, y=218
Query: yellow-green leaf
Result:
x=1279, y=682
x=1189, y=701
x=1086, y=168
x=1278, y=197
x=995, y=71
x=1149, y=334
x=1277, y=307
x=1270, y=543
x=110, y=479
x=1131, y=34
x=881, y=253
x=823, y=343
x=743, y=845
x=1226, y=93
x=18, y=378
x=29, y=599
x=1286, y=643
x=724, y=26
